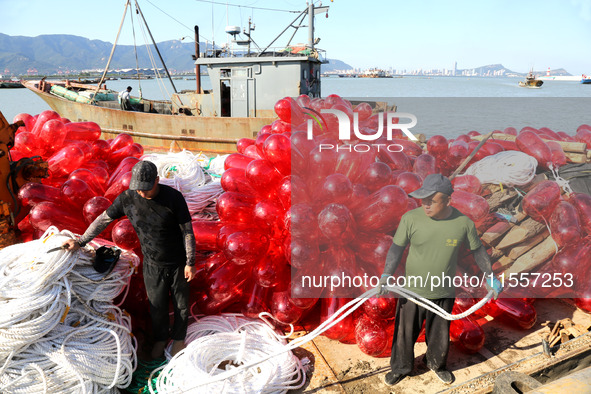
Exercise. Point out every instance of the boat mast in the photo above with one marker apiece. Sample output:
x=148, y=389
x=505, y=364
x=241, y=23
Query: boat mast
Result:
x=284, y=30
x=197, y=66
x=311, y=25
x=155, y=46
x=112, y=50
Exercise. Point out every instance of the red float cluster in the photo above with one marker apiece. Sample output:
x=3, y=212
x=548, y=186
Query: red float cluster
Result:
x=568, y=219
x=85, y=174
x=301, y=205
x=297, y=199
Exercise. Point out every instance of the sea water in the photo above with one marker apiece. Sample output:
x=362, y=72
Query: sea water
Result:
x=448, y=106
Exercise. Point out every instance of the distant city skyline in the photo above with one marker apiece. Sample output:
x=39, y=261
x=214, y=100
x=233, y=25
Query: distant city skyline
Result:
x=426, y=34
x=490, y=70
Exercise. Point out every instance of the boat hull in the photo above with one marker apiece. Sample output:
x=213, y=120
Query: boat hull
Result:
x=213, y=135
x=535, y=84
x=10, y=85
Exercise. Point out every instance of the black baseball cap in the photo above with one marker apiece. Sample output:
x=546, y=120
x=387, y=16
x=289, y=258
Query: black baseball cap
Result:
x=432, y=184
x=143, y=175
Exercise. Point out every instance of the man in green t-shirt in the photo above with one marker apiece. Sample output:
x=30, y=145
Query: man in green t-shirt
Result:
x=435, y=232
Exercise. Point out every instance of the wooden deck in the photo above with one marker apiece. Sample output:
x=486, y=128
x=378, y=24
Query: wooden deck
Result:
x=339, y=368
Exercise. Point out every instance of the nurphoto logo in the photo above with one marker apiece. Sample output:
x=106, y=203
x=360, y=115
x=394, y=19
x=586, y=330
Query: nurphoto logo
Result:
x=345, y=130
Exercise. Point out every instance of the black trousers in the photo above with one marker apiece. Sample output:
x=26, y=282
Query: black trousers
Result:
x=409, y=321
x=162, y=284
x=126, y=105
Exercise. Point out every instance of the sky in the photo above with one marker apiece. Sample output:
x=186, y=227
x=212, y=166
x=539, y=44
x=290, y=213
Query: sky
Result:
x=409, y=34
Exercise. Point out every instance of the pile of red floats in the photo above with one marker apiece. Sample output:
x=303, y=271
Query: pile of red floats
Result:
x=291, y=206
x=292, y=210
x=86, y=173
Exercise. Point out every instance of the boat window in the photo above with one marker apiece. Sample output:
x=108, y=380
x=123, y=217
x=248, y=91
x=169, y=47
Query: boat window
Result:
x=240, y=72
x=225, y=73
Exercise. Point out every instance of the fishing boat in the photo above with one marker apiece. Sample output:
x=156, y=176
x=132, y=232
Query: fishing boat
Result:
x=531, y=81
x=585, y=79
x=246, y=84
x=374, y=73
x=10, y=84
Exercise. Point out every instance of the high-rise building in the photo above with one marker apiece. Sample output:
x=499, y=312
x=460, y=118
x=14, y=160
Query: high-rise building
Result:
x=455, y=68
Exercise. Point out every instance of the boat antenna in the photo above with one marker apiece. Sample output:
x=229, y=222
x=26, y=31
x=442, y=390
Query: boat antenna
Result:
x=212, y=30
x=251, y=27
x=227, y=24
x=155, y=46
x=112, y=51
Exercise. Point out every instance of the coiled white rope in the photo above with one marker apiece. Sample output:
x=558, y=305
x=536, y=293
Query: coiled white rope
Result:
x=222, y=343
x=202, y=202
x=184, y=172
x=512, y=168
x=197, y=367
x=59, y=331
x=216, y=164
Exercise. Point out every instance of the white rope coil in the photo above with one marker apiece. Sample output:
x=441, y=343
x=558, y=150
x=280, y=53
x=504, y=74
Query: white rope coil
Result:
x=216, y=165
x=197, y=369
x=222, y=343
x=202, y=201
x=512, y=168
x=59, y=331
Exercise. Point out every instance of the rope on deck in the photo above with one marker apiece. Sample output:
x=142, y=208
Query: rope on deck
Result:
x=236, y=357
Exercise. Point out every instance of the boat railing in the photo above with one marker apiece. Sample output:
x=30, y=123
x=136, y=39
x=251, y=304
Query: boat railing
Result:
x=284, y=51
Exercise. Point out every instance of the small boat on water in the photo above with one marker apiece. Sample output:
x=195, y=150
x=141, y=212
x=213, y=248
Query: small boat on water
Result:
x=246, y=84
x=585, y=79
x=374, y=73
x=10, y=84
x=531, y=81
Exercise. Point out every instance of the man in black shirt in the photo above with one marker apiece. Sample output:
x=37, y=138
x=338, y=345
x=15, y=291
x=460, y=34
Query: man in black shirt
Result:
x=161, y=219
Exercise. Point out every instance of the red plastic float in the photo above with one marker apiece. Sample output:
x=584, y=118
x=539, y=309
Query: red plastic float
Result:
x=564, y=224
x=539, y=203
x=471, y=205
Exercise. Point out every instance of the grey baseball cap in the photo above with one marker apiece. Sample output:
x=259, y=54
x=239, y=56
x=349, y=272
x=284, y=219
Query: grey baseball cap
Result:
x=432, y=184
x=143, y=175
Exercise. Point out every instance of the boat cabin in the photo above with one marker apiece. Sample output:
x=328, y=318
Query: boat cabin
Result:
x=249, y=86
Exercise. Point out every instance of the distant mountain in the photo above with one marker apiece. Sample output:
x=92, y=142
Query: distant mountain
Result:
x=491, y=68
x=334, y=64
x=558, y=72
x=499, y=69
x=61, y=53
x=50, y=54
